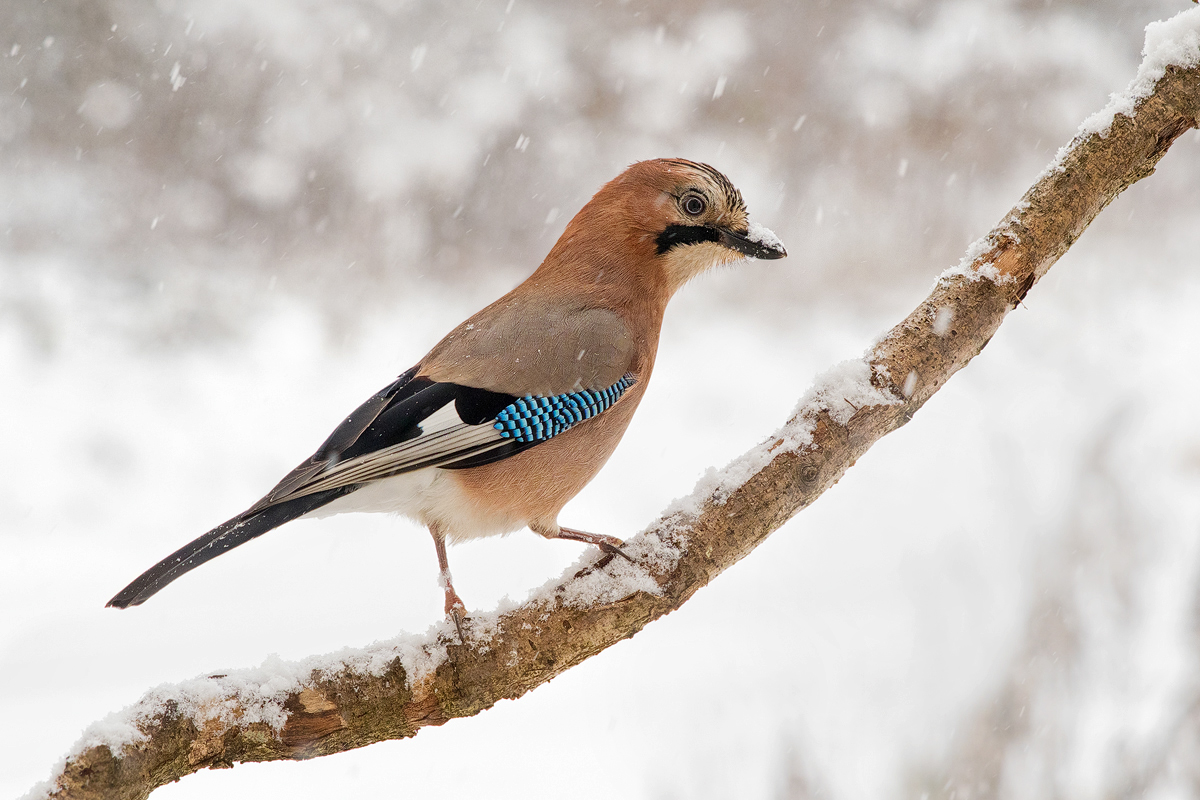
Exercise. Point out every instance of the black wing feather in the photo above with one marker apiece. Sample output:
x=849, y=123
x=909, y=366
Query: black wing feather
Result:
x=346, y=434
x=400, y=421
x=509, y=448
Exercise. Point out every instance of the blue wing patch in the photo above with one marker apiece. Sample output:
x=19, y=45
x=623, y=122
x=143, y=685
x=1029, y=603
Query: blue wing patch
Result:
x=535, y=419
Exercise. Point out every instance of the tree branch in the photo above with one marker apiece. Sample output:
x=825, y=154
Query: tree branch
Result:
x=391, y=690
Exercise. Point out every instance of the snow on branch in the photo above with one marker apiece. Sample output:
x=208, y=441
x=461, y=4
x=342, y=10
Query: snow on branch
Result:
x=390, y=690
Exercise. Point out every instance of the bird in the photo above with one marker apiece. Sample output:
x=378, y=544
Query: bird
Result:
x=512, y=413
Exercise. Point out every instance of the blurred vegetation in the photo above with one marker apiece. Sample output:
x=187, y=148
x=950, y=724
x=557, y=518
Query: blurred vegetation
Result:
x=336, y=150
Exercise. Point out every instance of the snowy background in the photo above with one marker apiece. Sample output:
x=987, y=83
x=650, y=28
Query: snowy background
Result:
x=224, y=224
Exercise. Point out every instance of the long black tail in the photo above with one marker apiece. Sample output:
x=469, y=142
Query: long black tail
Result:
x=220, y=539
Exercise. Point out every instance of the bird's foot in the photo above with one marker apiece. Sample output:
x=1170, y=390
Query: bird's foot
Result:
x=609, y=545
x=456, y=610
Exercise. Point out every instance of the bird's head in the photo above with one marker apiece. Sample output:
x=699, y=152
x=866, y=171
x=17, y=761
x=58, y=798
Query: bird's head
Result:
x=700, y=219
x=674, y=218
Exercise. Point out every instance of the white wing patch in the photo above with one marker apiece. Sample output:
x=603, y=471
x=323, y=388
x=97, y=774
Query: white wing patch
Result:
x=444, y=438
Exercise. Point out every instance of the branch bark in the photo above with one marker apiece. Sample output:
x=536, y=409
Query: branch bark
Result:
x=327, y=705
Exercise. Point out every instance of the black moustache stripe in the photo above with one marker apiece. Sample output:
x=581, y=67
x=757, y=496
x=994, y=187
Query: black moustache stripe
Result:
x=676, y=235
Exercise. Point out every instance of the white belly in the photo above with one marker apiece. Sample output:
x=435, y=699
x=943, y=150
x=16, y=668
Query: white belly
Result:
x=428, y=496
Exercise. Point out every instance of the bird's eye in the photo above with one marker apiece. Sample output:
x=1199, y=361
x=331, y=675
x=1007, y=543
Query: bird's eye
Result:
x=693, y=206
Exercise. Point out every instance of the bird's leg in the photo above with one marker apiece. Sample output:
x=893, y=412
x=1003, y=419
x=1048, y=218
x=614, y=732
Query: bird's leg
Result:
x=609, y=545
x=455, y=609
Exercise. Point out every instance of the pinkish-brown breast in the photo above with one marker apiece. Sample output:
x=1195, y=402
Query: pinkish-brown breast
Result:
x=535, y=484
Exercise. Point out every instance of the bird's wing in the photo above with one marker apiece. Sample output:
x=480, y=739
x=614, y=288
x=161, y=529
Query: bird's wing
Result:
x=424, y=423
x=466, y=402
x=520, y=346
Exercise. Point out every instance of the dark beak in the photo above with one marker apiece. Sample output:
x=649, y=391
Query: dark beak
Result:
x=759, y=243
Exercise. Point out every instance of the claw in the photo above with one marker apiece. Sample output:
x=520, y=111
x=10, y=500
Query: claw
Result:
x=456, y=611
x=457, y=615
x=604, y=561
x=612, y=549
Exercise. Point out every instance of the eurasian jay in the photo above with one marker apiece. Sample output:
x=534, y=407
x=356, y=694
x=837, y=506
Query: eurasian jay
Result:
x=518, y=408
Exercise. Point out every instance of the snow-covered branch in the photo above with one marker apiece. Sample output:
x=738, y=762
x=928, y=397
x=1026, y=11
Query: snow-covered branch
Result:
x=340, y=701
